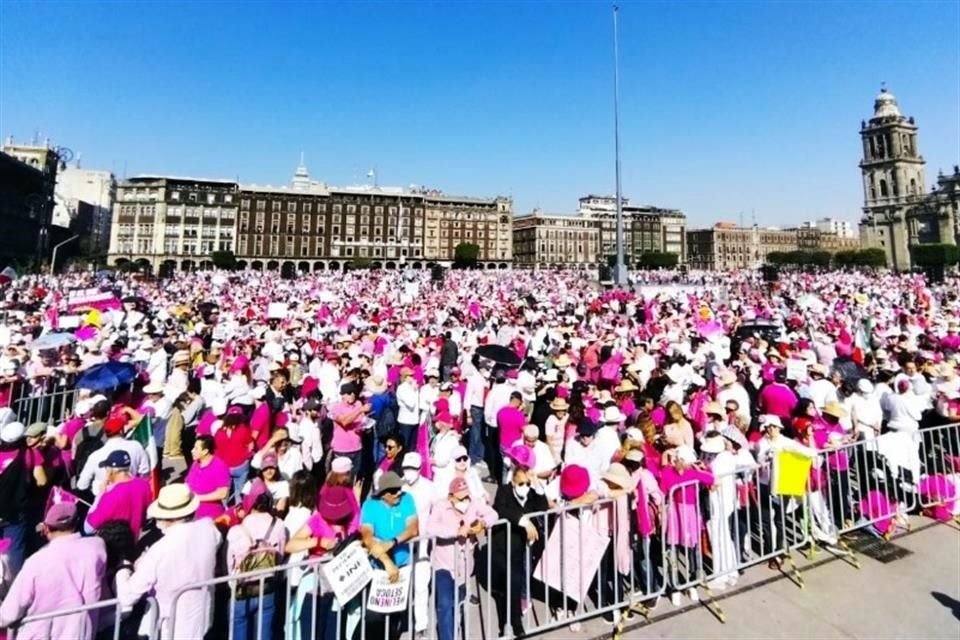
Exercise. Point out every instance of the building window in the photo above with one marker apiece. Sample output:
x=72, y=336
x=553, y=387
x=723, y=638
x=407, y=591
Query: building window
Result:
x=291, y=207
x=337, y=208
x=365, y=209
x=378, y=210
x=261, y=205
x=351, y=208
x=305, y=225
x=228, y=198
x=175, y=196
x=192, y=197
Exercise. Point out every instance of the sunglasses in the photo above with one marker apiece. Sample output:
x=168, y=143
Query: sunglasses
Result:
x=522, y=484
x=461, y=459
x=391, y=447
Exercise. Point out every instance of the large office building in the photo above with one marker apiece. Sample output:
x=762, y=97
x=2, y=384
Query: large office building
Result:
x=898, y=211
x=555, y=240
x=645, y=228
x=167, y=222
x=589, y=236
x=726, y=246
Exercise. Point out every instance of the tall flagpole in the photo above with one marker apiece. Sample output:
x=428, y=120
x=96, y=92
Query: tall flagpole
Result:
x=620, y=272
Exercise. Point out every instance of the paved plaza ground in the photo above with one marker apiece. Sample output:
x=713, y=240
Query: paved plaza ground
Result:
x=916, y=596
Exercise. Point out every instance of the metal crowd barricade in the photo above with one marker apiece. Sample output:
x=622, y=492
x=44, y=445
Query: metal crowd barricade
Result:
x=940, y=457
x=91, y=619
x=746, y=524
x=52, y=408
x=863, y=487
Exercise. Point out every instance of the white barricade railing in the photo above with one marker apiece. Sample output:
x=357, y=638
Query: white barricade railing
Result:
x=85, y=620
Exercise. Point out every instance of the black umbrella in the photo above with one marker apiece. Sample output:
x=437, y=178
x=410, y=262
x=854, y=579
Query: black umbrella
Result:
x=500, y=355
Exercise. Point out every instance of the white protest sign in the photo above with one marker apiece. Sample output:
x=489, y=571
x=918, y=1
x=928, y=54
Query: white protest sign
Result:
x=348, y=572
x=571, y=560
x=386, y=596
x=277, y=310
x=796, y=370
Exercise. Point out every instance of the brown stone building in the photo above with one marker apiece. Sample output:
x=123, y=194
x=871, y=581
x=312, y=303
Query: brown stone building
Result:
x=726, y=246
x=310, y=226
x=545, y=240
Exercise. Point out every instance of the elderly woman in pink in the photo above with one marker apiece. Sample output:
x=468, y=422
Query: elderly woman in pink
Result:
x=680, y=478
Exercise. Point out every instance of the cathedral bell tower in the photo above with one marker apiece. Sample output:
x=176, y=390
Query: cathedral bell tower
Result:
x=893, y=177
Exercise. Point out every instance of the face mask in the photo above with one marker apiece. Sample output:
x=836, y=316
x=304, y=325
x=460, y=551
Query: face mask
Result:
x=410, y=476
x=461, y=505
x=522, y=492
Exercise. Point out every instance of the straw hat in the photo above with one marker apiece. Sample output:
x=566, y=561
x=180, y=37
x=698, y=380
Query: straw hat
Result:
x=559, y=404
x=618, y=475
x=626, y=386
x=834, y=409
x=728, y=376
x=174, y=502
x=562, y=361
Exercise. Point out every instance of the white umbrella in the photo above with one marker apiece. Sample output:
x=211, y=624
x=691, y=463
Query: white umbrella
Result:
x=52, y=341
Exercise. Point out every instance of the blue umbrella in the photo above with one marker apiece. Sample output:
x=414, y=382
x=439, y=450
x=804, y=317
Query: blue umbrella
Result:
x=106, y=376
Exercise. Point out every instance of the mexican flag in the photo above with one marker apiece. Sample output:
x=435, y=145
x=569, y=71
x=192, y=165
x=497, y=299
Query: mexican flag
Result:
x=7, y=276
x=143, y=433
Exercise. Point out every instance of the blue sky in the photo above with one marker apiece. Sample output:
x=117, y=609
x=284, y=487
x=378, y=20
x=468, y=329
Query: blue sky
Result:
x=726, y=107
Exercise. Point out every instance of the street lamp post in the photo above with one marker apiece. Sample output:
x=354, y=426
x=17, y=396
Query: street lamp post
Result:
x=53, y=258
x=620, y=272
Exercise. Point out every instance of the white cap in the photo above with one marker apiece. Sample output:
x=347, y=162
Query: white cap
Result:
x=768, y=419
x=412, y=461
x=686, y=455
x=12, y=432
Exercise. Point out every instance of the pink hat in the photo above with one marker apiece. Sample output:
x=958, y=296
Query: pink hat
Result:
x=522, y=456
x=268, y=460
x=239, y=364
x=574, y=482
x=459, y=488
x=444, y=417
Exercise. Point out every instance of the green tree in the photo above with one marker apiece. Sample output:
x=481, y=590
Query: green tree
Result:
x=873, y=257
x=934, y=255
x=777, y=258
x=845, y=258
x=360, y=262
x=658, y=260
x=465, y=255
x=224, y=260
x=820, y=258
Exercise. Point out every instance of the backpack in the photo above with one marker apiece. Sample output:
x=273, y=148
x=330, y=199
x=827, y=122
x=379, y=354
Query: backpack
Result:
x=260, y=556
x=85, y=448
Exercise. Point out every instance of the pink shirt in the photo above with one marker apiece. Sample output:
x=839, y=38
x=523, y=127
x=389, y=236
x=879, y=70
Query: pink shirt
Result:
x=837, y=460
x=346, y=439
x=320, y=528
x=67, y=572
x=200, y=479
x=510, y=421
x=127, y=500
x=455, y=556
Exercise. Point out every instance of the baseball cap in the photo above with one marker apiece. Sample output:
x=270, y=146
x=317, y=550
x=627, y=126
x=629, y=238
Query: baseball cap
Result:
x=118, y=459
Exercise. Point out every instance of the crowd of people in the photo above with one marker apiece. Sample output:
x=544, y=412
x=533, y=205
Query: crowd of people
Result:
x=270, y=421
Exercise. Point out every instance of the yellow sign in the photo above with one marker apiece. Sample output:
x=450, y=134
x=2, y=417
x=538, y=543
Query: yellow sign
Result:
x=790, y=473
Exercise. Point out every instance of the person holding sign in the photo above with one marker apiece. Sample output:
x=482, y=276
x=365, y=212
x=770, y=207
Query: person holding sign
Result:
x=388, y=521
x=456, y=522
x=332, y=523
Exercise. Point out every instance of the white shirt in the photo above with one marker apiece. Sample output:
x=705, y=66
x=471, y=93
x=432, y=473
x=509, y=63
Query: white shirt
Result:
x=904, y=411
x=238, y=390
x=497, y=399
x=408, y=400
x=185, y=555
x=311, y=445
x=605, y=445
x=586, y=457
x=93, y=477
x=157, y=367
x=868, y=414
x=476, y=387
x=822, y=392
x=423, y=493
x=428, y=395
x=442, y=448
